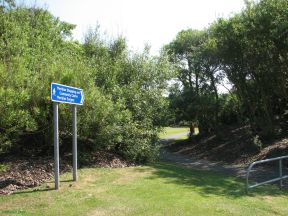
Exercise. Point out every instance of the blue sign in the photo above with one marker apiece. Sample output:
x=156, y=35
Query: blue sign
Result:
x=66, y=94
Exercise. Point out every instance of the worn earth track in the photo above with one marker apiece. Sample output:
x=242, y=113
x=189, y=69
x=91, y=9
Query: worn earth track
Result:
x=258, y=174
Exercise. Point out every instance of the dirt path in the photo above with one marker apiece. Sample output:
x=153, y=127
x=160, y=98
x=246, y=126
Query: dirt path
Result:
x=197, y=163
x=201, y=164
x=258, y=174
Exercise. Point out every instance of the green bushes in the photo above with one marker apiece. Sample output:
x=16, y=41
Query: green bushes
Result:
x=123, y=91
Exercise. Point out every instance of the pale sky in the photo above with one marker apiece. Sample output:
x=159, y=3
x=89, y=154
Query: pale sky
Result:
x=155, y=22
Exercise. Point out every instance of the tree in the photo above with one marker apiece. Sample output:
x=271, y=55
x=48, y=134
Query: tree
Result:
x=250, y=49
x=253, y=49
x=195, y=55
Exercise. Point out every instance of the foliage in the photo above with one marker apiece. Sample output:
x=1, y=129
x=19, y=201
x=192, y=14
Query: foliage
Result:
x=4, y=167
x=253, y=53
x=194, y=54
x=123, y=90
x=250, y=49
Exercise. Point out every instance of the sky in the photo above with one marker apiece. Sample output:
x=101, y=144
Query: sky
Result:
x=152, y=22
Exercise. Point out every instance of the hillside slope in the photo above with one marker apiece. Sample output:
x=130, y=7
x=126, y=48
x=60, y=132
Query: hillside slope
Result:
x=233, y=145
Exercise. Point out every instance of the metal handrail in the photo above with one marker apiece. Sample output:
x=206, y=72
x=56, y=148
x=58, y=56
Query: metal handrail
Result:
x=280, y=178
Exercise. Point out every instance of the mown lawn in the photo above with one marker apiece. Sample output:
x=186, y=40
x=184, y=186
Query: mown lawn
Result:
x=171, y=130
x=158, y=189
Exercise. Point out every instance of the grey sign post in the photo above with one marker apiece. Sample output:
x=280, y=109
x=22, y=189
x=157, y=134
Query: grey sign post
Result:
x=56, y=145
x=74, y=128
x=71, y=95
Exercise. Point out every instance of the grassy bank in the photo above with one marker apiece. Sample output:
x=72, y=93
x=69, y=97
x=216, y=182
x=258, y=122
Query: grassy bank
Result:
x=159, y=189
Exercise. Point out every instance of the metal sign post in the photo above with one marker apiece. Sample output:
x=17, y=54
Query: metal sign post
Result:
x=74, y=128
x=56, y=145
x=71, y=95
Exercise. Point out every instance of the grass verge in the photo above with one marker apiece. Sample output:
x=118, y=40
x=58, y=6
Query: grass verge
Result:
x=171, y=130
x=157, y=189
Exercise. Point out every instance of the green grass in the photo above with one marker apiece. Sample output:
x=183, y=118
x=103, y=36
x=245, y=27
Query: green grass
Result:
x=182, y=138
x=171, y=130
x=158, y=189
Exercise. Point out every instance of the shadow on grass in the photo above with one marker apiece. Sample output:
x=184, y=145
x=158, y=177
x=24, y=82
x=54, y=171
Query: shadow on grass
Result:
x=33, y=191
x=52, y=181
x=39, y=189
x=208, y=183
x=69, y=180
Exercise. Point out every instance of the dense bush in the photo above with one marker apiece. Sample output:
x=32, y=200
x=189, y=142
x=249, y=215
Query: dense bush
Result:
x=123, y=90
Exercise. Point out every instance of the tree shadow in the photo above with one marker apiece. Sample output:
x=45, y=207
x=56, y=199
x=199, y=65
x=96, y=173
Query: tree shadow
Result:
x=208, y=183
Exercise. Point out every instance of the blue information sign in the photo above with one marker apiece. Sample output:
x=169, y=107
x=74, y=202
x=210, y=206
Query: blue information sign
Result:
x=66, y=94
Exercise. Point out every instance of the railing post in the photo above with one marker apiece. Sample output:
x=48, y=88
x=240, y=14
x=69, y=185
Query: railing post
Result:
x=247, y=180
x=280, y=178
x=280, y=173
